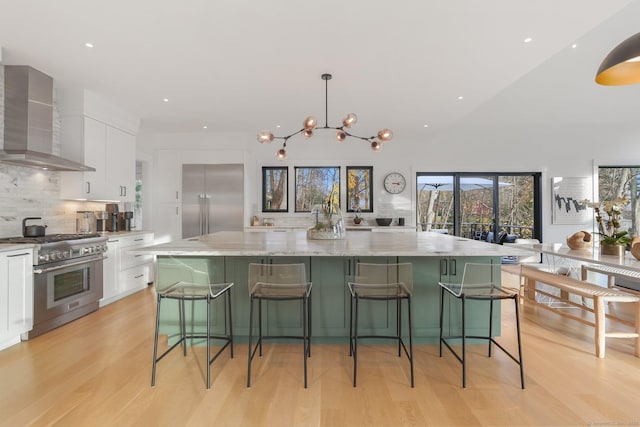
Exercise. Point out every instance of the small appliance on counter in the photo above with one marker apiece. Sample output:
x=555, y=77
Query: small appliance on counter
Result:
x=125, y=220
x=112, y=216
x=85, y=222
x=101, y=221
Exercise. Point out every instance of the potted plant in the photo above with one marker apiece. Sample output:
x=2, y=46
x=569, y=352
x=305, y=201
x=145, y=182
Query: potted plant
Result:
x=357, y=219
x=608, y=216
x=331, y=226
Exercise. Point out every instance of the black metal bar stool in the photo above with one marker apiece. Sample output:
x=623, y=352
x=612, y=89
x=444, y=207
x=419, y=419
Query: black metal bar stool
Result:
x=480, y=282
x=188, y=291
x=279, y=282
x=381, y=282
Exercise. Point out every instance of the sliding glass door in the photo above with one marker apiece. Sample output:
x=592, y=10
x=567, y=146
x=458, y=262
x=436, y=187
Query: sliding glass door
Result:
x=495, y=207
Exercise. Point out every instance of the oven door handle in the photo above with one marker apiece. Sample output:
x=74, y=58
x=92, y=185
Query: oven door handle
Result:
x=71, y=264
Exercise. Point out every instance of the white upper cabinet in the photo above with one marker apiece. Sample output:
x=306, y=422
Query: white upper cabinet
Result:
x=120, y=165
x=86, y=138
x=102, y=136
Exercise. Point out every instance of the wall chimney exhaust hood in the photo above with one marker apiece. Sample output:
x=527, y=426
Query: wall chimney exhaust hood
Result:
x=28, y=121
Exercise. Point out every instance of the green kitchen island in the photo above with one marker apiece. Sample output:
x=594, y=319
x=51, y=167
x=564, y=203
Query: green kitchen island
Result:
x=225, y=256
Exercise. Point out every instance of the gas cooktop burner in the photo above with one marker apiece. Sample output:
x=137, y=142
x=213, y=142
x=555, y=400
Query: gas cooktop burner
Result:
x=48, y=238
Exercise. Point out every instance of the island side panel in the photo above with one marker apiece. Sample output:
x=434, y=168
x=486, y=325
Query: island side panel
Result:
x=330, y=297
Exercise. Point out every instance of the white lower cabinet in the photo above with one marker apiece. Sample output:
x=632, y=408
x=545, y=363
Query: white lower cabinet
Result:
x=16, y=295
x=125, y=272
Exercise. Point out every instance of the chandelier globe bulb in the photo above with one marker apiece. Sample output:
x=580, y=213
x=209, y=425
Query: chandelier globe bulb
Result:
x=350, y=120
x=385, y=135
x=376, y=145
x=310, y=123
x=265, y=137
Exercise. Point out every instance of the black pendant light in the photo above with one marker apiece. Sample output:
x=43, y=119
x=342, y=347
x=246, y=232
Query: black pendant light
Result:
x=622, y=65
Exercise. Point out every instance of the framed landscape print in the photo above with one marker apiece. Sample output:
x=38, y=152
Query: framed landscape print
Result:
x=568, y=194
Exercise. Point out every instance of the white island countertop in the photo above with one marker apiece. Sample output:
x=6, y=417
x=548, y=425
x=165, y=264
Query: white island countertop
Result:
x=295, y=243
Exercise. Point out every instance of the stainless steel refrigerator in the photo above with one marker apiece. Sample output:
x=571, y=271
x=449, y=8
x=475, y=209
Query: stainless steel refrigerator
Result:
x=212, y=199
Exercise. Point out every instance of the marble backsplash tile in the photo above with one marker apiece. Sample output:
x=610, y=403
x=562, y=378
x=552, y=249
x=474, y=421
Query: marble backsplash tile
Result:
x=26, y=192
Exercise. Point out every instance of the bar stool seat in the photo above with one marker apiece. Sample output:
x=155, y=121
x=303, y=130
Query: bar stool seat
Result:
x=480, y=282
x=189, y=291
x=381, y=282
x=279, y=282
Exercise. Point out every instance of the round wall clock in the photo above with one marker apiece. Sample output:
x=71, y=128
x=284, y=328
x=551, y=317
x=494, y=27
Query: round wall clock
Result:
x=394, y=183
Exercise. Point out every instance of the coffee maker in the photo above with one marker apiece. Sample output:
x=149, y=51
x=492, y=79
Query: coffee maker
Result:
x=124, y=220
x=112, y=216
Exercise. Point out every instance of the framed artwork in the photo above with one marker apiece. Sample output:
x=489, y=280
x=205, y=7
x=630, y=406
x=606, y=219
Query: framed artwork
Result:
x=359, y=188
x=568, y=194
x=275, y=185
x=315, y=185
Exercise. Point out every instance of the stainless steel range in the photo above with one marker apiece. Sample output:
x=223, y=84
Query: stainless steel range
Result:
x=67, y=277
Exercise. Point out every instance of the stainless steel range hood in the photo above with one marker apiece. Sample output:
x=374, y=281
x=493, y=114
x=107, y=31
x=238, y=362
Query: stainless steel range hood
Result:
x=28, y=121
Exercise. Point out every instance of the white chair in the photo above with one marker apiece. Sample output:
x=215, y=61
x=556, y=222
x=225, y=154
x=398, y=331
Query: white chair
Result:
x=279, y=282
x=480, y=282
x=381, y=282
x=183, y=283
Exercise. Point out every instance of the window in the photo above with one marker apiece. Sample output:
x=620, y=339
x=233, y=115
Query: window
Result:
x=476, y=205
x=315, y=185
x=359, y=189
x=275, y=183
x=622, y=181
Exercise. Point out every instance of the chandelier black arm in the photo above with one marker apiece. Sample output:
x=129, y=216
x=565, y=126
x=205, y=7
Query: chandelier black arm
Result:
x=288, y=136
x=369, y=139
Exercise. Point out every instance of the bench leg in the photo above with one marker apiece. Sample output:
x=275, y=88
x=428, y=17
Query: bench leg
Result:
x=598, y=309
x=638, y=329
x=530, y=288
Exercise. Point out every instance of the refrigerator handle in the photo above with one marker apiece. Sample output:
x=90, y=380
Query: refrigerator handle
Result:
x=200, y=208
x=207, y=211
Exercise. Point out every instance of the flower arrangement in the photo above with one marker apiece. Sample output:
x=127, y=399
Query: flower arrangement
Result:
x=331, y=226
x=608, y=216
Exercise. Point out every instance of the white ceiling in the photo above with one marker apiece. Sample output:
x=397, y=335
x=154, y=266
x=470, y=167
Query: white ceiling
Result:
x=242, y=65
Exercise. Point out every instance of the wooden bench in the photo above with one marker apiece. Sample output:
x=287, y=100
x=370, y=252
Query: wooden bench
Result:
x=600, y=296
x=611, y=273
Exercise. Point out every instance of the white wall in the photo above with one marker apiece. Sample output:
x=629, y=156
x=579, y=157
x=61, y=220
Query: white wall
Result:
x=568, y=150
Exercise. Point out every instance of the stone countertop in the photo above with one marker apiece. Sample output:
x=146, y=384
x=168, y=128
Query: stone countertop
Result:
x=295, y=243
x=6, y=247
x=124, y=233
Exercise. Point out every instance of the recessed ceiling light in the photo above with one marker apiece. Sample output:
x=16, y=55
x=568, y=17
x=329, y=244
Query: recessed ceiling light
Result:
x=528, y=40
x=575, y=45
x=426, y=126
x=166, y=99
x=88, y=44
x=204, y=127
x=461, y=97
x=278, y=126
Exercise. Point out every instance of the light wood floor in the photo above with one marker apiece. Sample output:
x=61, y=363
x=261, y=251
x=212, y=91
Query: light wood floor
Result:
x=96, y=371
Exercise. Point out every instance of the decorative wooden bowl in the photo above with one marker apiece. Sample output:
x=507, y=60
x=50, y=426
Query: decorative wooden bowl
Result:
x=579, y=240
x=635, y=248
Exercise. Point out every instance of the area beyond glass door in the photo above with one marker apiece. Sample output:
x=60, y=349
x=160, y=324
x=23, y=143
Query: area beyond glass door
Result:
x=486, y=206
x=477, y=207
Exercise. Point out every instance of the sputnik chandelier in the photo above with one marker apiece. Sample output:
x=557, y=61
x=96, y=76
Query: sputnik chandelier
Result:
x=311, y=124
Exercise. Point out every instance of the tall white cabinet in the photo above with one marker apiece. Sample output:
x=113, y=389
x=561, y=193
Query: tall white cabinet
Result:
x=16, y=295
